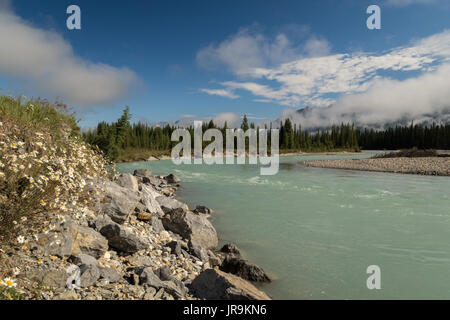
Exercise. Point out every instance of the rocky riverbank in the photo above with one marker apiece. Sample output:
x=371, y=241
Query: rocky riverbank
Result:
x=138, y=242
x=435, y=166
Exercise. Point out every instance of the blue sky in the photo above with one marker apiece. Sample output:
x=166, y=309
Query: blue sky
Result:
x=170, y=60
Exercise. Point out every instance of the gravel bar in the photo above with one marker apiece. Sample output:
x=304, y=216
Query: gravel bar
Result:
x=435, y=166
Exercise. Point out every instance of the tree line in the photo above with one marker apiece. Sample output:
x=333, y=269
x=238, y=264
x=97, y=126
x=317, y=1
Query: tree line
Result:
x=114, y=138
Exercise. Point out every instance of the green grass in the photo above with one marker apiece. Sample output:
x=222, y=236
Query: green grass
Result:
x=39, y=114
x=136, y=154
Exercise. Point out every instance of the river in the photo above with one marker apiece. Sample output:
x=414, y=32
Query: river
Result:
x=315, y=231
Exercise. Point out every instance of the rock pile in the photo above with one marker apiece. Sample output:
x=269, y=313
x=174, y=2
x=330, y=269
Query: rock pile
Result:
x=139, y=243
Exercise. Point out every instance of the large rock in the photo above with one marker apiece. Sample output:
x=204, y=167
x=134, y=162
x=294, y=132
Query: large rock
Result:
x=192, y=227
x=101, y=221
x=149, y=278
x=89, y=275
x=213, y=284
x=80, y=259
x=110, y=275
x=230, y=248
x=157, y=225
x=121, y=202
x=68, y=238
x=56, y=243
x=149, y=200
x=142, y=173
x=87, y=240
x=48, y=277
x=172, y=179
x=122, y=238
x=154, y=181
x=203, y=210
x=244, y=269
x=128, y=181
x=169, y=204
x=198, y=251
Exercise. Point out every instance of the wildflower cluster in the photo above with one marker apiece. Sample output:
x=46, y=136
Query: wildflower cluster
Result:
x=42, y=170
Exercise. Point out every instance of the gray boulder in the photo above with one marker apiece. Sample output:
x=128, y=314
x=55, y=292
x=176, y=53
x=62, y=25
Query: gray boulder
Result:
x=157, y=224
x=100, y=222
x=89, y=275
x=230, y=248
x=148, y=199
x=53, y=278
x=197, y=251
x=203, y=210
x=192, y=227
x=149, y=278
x=128, y=181
x=154, y=181
x=142, y=173
x=88, y=241
x=69, y=238
x=170, y=204
x=244, y=269
x=121, y=202
x=56, y=243
x=172, y=179
x=122, y=238
x=164, y=273
x=81, y=258
x=213, y=284
x=110, y=275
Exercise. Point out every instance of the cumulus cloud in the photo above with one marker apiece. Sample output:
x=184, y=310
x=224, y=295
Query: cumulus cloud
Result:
x=357, y=84
x=249, y=48
x=46, y=63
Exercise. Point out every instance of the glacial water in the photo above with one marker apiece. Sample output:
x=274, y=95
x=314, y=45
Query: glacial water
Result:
x=315, y=231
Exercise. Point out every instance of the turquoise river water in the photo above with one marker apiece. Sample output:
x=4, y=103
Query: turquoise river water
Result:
x=315, y=231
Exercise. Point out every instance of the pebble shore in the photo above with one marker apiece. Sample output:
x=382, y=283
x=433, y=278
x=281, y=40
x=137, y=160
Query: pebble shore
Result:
x=434, y=166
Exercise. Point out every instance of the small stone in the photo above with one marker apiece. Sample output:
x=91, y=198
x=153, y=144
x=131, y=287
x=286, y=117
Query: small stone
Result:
x=144, y=216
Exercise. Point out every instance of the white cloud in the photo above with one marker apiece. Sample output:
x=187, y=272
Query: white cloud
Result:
x=355, y=82
x=220, y=92
x=422, y=98
x=249, y=48
x=316, y=47
x=48, y=65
